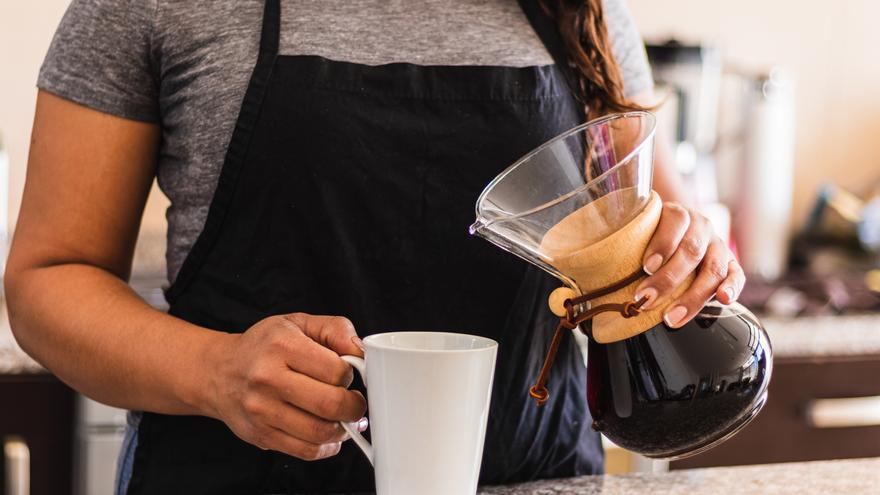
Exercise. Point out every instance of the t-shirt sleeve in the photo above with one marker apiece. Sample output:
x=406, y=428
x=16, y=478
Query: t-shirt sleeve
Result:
x=628, y=48
x=101, y=57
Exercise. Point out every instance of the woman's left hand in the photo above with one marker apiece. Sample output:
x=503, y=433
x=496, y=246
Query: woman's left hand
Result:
x=685, y=242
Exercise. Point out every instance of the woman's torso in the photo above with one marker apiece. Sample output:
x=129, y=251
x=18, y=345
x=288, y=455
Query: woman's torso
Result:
x=186, y=65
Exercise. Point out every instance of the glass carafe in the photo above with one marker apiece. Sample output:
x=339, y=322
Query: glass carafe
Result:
x=581, y=207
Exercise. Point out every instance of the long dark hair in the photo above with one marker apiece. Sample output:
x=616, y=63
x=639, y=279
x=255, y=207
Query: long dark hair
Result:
x=581, y=25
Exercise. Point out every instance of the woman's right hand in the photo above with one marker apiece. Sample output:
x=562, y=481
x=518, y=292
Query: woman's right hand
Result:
x=282, y=386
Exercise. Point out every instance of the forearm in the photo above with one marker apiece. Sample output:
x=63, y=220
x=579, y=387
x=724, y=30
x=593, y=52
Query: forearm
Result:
x=96, y=334
x=667, y=182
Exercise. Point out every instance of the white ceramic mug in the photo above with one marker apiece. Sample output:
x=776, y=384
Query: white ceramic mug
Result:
x=428, y=396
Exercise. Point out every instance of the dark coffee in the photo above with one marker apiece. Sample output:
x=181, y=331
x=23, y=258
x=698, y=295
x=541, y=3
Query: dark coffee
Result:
x=675, y=392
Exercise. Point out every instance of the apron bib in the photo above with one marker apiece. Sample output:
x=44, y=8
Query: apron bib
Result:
x=347, y=190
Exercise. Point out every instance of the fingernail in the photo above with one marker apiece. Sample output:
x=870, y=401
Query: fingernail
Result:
x=728, y=291
x=653, y=263
x=363, y=424
x=648, y=292
x=358, y=342
x=674, y=316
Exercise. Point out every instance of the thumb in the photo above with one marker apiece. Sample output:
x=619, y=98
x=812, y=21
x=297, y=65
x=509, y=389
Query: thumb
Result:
x=333, y=332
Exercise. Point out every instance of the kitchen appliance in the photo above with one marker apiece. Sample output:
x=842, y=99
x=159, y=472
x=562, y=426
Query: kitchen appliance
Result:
x=99, y=434
x=838, y=212
x=581, y=208
x=429, y=396
x=688, y=77
x=732, y=133
x=16, y=466
x=755, y=165
x=692, y=74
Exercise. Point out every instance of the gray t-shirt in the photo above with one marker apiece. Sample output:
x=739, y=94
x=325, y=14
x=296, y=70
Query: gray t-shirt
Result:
x=186, y=65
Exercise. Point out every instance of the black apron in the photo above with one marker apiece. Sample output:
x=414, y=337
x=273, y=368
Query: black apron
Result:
x=347, y=190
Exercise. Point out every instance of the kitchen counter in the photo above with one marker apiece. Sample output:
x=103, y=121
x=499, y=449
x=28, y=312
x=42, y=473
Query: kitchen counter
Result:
x=821, y=336
x=855, y=476
x=13, y=360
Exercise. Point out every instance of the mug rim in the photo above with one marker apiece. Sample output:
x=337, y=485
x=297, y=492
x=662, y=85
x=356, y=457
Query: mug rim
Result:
x=370, y=341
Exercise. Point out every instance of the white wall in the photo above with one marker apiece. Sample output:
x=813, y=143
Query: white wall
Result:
x=26, y=29
x=832, y=49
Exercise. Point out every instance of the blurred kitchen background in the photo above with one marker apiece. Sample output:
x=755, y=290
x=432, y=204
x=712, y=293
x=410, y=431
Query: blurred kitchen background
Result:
x=771, y=110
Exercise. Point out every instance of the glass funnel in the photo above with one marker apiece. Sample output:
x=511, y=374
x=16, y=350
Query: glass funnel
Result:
x=608, y=160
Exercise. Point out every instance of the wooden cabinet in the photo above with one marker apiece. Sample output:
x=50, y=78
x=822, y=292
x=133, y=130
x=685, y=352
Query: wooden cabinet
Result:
x=785, y=429
x=39, y=409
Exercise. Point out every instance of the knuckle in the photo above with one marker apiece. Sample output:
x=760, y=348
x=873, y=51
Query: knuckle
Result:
x=676, y=210
x=259, y=375
x=665, y=280
x=273, y=320
x=295, y=318
x=311, y=352
x=695, y=215
x=280, y=341
x=716, y=269
x=291, y=323
x=268, y=321
x=735, y=269
x=263, y=327
x=692, y=246
x=674, y=207
x=268, y=329
x=703, y=221
x=253, y=405
x=343, y=324
x=278, y=323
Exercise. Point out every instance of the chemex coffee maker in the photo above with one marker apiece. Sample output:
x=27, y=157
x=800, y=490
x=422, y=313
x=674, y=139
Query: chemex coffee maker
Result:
x=581, y=207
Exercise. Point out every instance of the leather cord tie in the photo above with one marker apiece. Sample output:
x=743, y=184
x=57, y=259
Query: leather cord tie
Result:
x=572, y=319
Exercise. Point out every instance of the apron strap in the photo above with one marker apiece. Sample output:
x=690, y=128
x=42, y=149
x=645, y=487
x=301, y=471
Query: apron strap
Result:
x=271, y=29
x=549, y=35
x=235, y=153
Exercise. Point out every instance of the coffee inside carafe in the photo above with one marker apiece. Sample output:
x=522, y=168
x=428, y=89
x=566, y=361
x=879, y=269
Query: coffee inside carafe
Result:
x=674, y=392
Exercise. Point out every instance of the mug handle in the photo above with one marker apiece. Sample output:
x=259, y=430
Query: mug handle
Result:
x=361, y=366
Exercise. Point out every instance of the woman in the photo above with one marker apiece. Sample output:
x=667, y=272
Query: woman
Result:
x=320, y=159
